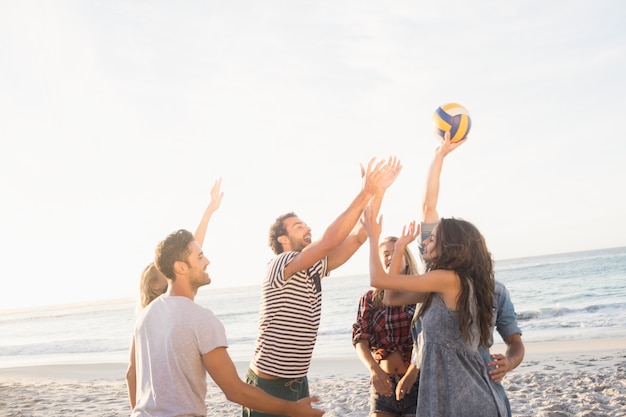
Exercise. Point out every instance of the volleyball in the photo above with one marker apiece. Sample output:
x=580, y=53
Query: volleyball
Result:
x=454, y=118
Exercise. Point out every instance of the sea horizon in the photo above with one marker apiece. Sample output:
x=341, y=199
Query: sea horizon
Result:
x=562, y=297
x=220, y=286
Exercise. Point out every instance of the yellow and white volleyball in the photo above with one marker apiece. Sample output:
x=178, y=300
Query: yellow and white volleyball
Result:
x=454, y=118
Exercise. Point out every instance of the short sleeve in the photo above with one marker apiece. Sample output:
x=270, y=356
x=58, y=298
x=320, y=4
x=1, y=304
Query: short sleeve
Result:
x=210, y=332
x=506, y=317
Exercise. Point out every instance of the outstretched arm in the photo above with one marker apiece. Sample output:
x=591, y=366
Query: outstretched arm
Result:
x=431, y=195
x=441, y=281
x=376, y=175
x=214, y=204
x=358, y=236
x=222, y=369
x=400, y=298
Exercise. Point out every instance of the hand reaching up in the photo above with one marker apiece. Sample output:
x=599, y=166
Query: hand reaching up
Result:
x=447, y=145
x=372, y=226
x=216, y=196
x=409, y=234
x=380, y=175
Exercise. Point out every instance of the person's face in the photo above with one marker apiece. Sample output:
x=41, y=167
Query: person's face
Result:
x=197, y=263
x=298, y=235
x=430, y=247
x=385, y=251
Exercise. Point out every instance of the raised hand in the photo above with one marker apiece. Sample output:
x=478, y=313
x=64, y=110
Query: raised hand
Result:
x=372, y=226
x=409, y=234
x=447, y=145
x=393, y=170
x=216, y=196
x=216, y=200
x=380, y=175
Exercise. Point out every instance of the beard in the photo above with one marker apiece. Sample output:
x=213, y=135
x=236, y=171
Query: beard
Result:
x=298, y=245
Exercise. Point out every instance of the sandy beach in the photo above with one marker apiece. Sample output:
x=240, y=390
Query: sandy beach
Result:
x=557, y=379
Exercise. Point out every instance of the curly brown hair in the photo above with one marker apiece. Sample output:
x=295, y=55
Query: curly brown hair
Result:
x=461, y=248
x=277, y=230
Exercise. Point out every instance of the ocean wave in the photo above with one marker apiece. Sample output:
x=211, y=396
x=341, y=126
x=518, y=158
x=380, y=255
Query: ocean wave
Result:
x=552, y=312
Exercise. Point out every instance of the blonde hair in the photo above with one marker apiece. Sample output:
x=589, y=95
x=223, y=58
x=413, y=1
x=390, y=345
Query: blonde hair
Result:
x=411, y=268
x=146, y=291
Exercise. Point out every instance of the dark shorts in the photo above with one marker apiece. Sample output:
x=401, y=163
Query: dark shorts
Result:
x=287, y=389
x=404, y=408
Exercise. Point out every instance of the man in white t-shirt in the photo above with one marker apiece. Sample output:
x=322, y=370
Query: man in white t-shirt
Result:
x=176, y=341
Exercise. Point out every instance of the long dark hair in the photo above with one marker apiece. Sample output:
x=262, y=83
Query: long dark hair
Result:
x=461, y=248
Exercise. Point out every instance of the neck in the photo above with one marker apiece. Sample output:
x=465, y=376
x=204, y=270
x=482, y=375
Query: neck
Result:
x=180, y=288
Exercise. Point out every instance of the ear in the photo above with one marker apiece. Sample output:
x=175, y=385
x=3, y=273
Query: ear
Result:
x=180, y=267
x=282, y=239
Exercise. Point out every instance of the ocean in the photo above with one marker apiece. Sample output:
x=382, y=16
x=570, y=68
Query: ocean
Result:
x=564, y=297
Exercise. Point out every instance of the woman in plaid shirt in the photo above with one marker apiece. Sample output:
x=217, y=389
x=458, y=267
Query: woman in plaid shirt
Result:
x=382, y=338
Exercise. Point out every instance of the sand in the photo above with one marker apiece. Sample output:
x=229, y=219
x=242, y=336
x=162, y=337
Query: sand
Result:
x=582, y=378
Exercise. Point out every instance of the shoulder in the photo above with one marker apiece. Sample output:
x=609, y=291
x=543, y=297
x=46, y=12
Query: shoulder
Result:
x=193, y=308
x=276, y=267
x=426, y=229
x=500, y=291
x=367, y=295
x=283, y=258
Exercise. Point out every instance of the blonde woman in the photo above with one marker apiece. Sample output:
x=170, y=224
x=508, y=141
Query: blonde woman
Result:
x=382, y=338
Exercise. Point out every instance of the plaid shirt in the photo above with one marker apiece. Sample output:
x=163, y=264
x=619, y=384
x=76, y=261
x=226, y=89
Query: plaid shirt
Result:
x=386, y=328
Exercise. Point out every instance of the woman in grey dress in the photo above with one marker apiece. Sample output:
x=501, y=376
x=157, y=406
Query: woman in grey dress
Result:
x=455, y=317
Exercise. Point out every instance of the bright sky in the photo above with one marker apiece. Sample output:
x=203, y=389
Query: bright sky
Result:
x=116, y=117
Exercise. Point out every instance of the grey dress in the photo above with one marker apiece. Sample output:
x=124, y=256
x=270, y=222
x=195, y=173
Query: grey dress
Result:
x=453, y=378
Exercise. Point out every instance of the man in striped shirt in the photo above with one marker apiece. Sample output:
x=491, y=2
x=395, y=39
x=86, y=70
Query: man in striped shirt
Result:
x=291, y=301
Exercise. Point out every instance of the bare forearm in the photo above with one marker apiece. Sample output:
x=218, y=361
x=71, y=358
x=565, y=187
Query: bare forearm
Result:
x=256, y=399
x=515, y=350
x=131, y=384
x=401, y=298
x=131, y=377
x=365, y=355
x=345, y=250
x=377, y=272
x=202, y=227
x=431, y=195
x=344, y=224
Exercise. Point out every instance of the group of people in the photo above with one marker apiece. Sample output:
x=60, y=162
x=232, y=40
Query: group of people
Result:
x=446, y=314
x=424, y=331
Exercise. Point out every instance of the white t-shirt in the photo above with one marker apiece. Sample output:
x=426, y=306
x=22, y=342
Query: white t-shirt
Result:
x=171, y=335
